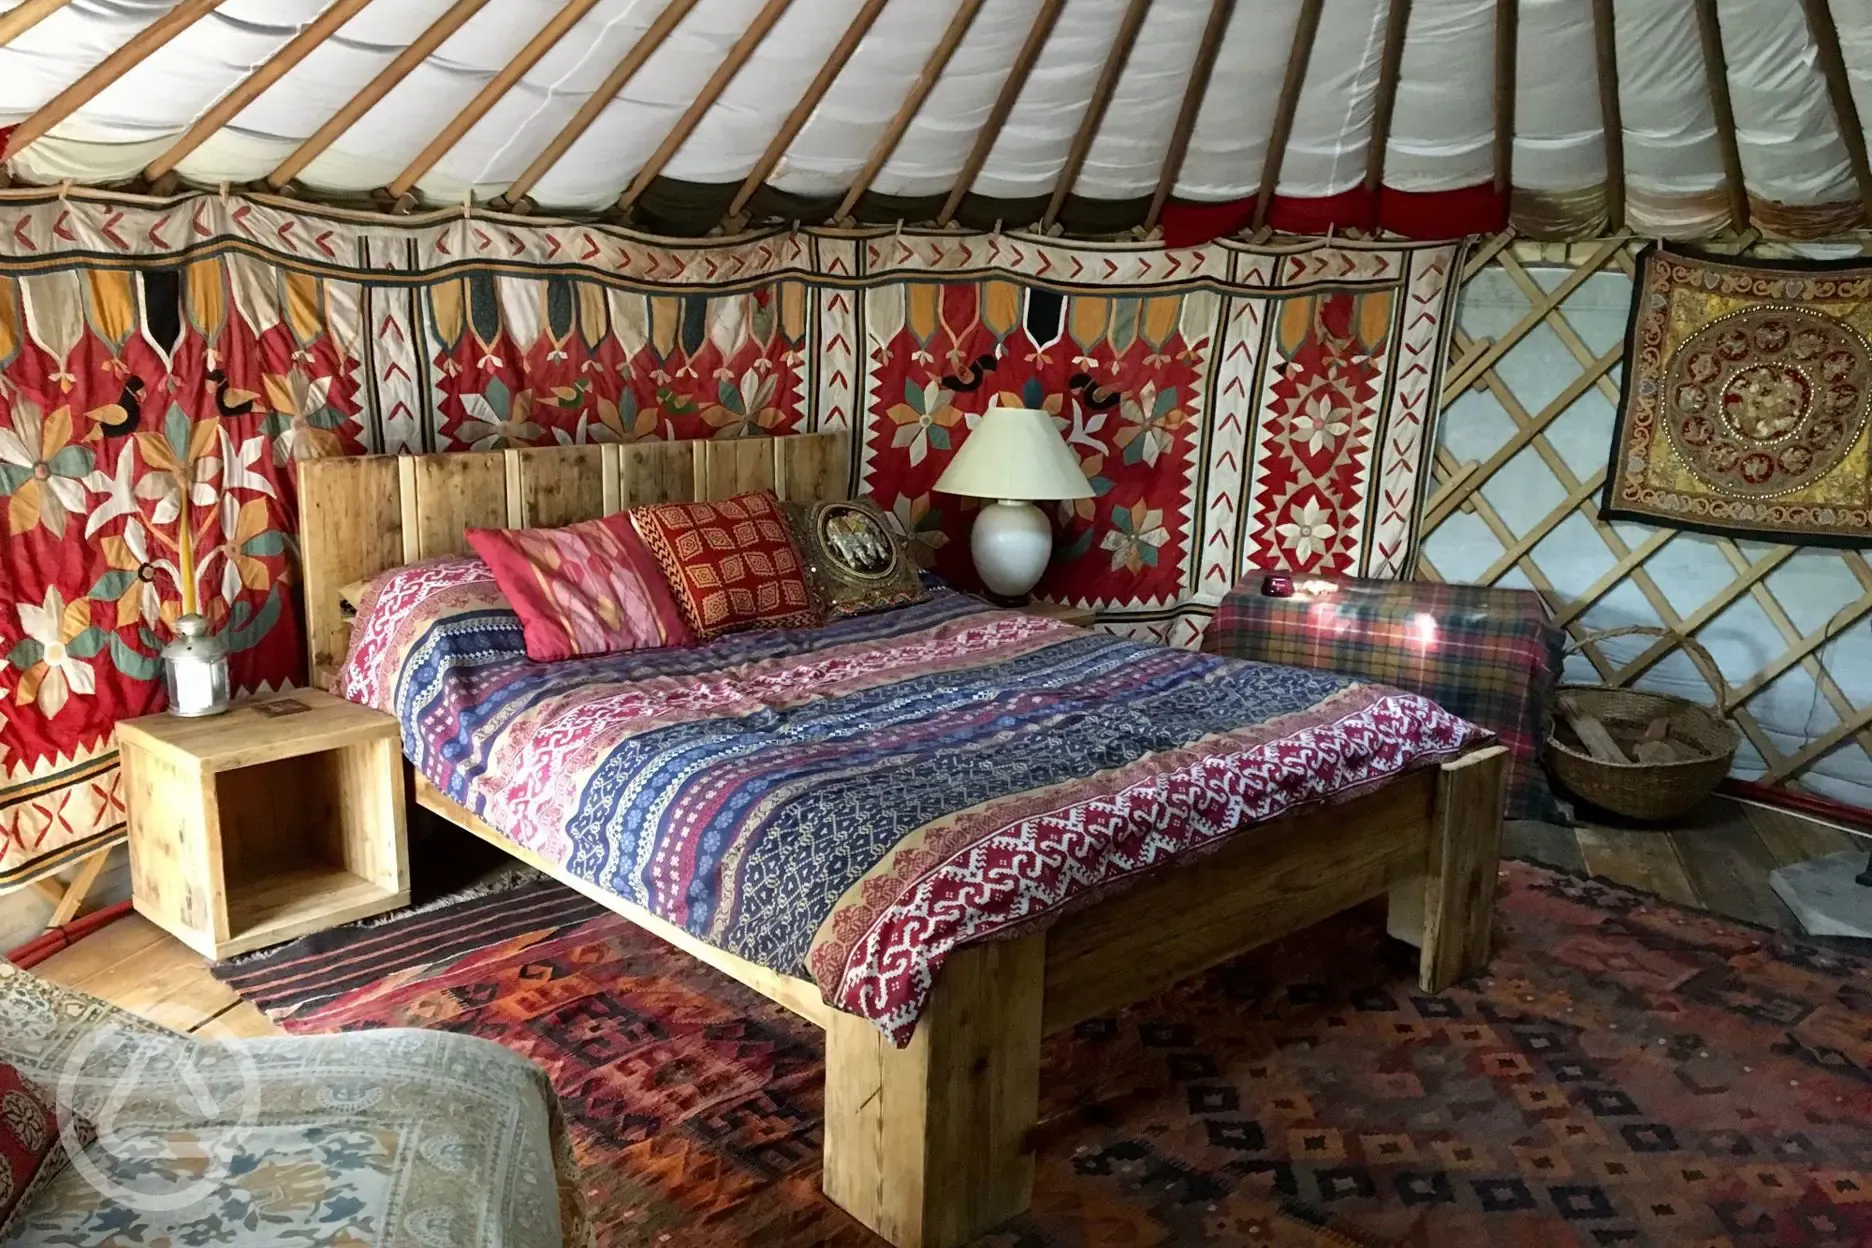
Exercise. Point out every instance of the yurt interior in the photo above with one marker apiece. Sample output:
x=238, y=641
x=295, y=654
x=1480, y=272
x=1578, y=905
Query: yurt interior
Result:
x=1018, y=623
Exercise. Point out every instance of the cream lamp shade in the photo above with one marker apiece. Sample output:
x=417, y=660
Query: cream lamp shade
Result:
x=1015, y=455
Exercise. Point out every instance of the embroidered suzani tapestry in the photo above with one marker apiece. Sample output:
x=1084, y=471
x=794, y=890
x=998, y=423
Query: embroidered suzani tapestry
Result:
x=1747, y=391
x=164, y=364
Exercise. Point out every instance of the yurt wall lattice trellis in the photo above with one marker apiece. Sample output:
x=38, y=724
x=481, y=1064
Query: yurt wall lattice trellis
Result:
x=1528, y=408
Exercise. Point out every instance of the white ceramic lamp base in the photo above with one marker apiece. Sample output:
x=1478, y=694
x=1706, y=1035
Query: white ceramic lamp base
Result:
x=1012, y=543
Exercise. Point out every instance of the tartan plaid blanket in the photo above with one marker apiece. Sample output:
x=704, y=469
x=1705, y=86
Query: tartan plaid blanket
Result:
x=1491, y=656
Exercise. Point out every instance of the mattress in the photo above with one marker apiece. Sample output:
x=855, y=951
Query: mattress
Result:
x=850, y=802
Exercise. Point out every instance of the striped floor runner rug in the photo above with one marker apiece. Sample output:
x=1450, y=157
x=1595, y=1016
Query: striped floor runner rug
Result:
x=306, y=974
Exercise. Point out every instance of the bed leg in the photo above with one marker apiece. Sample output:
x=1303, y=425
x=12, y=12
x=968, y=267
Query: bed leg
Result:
x=927, y=1145
x=1446, y=909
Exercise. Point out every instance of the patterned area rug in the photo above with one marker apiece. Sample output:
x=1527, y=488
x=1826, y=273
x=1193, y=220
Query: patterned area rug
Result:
x=1629, y=1073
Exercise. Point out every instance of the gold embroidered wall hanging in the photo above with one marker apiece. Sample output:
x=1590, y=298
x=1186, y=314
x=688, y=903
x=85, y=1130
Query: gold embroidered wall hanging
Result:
x=1748, y=389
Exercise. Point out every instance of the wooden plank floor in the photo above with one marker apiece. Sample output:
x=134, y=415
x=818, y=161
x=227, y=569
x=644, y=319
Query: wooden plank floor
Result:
x=135, y=964
x=1717, y=860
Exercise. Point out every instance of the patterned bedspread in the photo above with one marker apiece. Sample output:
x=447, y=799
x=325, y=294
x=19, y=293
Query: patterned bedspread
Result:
x=852, y=801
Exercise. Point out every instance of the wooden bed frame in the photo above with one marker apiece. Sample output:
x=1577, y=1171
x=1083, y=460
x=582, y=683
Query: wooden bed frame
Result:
x=929, y=1145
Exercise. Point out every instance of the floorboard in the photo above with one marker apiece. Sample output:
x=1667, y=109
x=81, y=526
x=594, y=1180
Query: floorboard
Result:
x=1645, y=860
x=134, y=964
x=1545, y=843
x=1790, y=838
x=1728, y=865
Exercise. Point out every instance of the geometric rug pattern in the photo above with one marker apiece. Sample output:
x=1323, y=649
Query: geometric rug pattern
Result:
x=1626, y=1073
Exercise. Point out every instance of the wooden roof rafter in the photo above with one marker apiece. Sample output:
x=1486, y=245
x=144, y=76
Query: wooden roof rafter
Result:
x=1611, y=111
x=23, y=17
x=1221, y=12
x=1306, y=31
x=1507, y=32
x=250, y=88
x=731, y=65
x=399, y=68
x=808, y=101
x=134, y=52
x=906, y=113
x=490, y=94
x=1716, y=71
x=1839, y=88
x=1005, y=99
x=1384, y=101
x=653, y=37
x=1102, y=91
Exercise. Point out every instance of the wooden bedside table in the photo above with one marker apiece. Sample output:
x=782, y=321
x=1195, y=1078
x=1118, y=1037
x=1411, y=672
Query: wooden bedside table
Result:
x=1084, y=617
x=253, y=827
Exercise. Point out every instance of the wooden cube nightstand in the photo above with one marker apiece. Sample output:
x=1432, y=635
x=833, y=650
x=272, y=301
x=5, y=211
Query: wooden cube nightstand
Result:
x=1084, y=617
x=253, y=827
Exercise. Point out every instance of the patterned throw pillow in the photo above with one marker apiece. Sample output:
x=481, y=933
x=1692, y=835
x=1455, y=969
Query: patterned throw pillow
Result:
x=854, y=558
x=31, y=1150
x=584, y=589
x=731, y=564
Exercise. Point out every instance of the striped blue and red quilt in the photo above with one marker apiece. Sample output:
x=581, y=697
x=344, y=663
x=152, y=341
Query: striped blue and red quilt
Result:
x=852, y=801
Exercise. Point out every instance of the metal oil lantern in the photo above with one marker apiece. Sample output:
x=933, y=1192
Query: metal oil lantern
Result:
x=195, y=670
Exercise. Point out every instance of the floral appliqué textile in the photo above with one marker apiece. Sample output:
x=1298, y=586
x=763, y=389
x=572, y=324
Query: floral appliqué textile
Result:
x=164, y=365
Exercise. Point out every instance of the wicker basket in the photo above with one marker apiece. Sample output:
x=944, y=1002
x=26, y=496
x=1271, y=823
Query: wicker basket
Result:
x=1646, y=790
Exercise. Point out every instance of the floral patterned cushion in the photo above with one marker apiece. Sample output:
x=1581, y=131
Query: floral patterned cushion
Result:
x=731, y=564
x=393, y=1138
x=32, y=1150
x=583, y=589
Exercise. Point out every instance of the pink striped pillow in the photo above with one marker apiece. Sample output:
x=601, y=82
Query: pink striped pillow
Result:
x=585, y=589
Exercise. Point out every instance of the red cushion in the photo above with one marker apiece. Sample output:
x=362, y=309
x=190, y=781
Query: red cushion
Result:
x=30, y=1148
x=731, y=564
x=588, y=588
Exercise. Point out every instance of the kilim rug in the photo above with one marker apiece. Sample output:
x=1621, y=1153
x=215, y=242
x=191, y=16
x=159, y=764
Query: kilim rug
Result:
x=1748, y=388
x=1629, y=1073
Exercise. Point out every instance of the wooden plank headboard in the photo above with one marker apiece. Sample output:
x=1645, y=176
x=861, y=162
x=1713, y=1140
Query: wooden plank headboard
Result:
x=361, y=515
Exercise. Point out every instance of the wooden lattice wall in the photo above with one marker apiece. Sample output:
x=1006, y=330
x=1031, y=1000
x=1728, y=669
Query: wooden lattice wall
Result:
x=1459, y=488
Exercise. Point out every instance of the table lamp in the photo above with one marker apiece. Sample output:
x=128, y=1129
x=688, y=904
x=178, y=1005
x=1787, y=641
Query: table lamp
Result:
x=1014, y=456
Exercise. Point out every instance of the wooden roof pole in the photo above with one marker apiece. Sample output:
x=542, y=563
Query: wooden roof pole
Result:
x=1102, y=92
x=490, y=94
x=101, y=75
x=250, y=88
x=1716, y=70
x=374, y=90
x=907, y=111
x=705, y=99
x=1611, y=112
x=23, y=18
x=1507, y=29
x=815, y=91
x=1839, y=88
x=1305, y=31
x=1390, y=69
x=1018, y=73
x=1221, y=12
x=621, y=73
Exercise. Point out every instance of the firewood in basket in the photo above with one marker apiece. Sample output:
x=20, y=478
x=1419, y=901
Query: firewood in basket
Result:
x=1657, y=747
x=1592, y=733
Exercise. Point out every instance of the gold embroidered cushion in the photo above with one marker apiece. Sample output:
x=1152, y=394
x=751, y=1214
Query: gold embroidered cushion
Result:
x=732, y=565
x=854, y=559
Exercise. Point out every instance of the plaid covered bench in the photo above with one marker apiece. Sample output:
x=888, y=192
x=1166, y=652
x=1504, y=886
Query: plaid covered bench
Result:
x=1492, y=656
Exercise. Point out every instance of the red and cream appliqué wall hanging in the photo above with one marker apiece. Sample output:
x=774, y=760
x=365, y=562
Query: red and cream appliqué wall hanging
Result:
x=163, y=365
